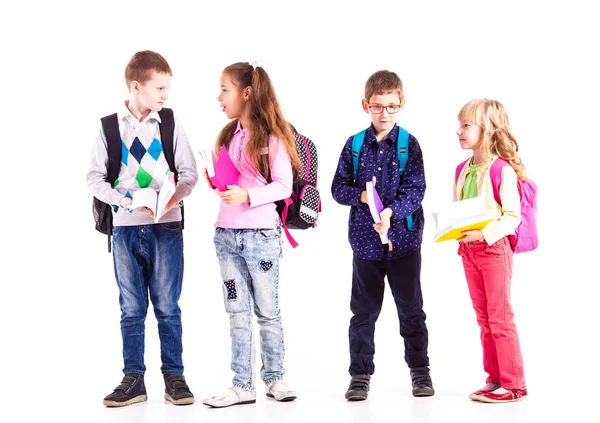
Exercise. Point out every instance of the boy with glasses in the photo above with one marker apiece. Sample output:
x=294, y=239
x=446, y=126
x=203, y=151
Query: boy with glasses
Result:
x=402, y=220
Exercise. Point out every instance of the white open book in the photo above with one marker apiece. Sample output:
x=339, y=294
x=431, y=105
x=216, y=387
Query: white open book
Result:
x=155, y=201
x=461, y=216
x=206, y=154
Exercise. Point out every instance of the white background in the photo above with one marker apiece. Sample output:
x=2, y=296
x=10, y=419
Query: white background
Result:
x=62, y=69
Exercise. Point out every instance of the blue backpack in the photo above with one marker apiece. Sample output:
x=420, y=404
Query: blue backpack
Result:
x=357, y=143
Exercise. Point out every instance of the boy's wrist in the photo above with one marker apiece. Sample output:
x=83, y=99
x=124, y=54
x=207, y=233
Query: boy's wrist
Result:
x=363, y=197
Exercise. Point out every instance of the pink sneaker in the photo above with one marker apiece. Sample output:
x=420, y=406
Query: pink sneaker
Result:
x=507, y=395
x=489, y=387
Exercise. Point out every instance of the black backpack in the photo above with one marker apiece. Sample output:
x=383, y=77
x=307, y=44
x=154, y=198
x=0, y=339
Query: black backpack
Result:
x=301, y=210
x=101, y=210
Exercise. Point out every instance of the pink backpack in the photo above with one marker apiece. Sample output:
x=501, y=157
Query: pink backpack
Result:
x=525, y=238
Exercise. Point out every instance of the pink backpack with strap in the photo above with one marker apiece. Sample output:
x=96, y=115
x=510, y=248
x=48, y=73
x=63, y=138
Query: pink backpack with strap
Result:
x=525, y=237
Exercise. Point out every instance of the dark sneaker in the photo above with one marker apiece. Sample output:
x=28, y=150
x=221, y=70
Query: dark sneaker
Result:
x=359, y=387
x=177, y=391
x=130, y=391
x=421, y=382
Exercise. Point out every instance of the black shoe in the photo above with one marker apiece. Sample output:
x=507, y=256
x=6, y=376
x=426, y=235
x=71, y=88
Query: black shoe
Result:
x=359, y=387
x=421, y=382
x=177, y=391
x=130, y=391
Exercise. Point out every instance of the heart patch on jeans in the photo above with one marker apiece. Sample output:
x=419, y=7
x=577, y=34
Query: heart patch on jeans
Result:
x=266, y=265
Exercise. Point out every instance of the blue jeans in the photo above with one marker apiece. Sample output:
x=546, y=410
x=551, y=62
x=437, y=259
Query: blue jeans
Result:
x=249, y=262
x=148, y=262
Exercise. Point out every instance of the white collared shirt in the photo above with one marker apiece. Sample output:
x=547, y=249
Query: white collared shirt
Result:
x=142, y=165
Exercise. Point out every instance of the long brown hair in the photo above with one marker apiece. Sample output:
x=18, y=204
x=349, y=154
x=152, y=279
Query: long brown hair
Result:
x=492, y=118
x=265, y=115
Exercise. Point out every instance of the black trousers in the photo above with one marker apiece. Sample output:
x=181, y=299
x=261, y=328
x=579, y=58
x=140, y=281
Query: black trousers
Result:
x=404, y=277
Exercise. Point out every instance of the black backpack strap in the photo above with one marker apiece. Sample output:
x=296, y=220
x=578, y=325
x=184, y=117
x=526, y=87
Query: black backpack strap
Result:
x=110, y=125
x=167, y=131
x=113, y=139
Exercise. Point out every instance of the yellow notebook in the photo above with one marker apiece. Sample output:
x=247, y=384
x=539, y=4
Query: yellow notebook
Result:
x=460, y=216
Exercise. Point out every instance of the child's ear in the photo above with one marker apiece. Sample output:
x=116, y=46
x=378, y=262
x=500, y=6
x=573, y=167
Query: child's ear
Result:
x=247, y=93
x=365, y=105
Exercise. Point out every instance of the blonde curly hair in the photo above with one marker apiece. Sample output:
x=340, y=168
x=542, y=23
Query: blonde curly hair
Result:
x=491, y=117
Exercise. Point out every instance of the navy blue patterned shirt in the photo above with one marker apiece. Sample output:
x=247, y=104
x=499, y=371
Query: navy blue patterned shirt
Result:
x=404, y=196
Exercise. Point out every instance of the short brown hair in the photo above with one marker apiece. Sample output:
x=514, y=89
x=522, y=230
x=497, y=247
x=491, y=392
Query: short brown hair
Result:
x=142, y=64
x=384, y=82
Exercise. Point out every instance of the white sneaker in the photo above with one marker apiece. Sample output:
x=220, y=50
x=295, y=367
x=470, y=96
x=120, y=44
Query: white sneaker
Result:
x=280, y=391
x=233, y=396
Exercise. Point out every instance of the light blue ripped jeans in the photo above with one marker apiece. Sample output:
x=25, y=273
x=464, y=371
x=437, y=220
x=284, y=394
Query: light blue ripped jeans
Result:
x=249, y=262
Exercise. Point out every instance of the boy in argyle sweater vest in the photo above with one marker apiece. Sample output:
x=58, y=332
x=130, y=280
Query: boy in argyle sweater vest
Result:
x=148, y=256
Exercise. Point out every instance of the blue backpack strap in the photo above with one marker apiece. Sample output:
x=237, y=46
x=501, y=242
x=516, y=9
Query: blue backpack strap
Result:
x=357, y=142
x=402, y=149
x=402, y=160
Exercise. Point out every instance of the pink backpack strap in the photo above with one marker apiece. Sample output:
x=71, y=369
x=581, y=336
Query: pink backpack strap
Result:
x=459, y=169
x=284, y=213
x=496, y=177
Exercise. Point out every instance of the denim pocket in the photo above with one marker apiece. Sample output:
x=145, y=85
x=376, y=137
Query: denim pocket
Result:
x=171, y=226
x=269, y=234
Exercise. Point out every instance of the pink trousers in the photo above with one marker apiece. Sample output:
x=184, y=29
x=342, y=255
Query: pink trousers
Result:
x=488, y=269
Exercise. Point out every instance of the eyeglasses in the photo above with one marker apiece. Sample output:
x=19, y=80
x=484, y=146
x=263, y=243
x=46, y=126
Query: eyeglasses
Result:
x=391, y=109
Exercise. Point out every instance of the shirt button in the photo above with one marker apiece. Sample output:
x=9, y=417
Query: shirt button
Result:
x=363, y=164
x=378, y=168
x=380, y=151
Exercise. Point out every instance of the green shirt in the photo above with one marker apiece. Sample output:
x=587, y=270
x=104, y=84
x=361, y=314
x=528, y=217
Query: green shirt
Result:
x=469, y=189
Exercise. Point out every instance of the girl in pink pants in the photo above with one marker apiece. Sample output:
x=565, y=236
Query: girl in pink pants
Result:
x=487, y=254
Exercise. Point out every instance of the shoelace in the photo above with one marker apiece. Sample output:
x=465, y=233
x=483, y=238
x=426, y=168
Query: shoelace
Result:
x=359, y=383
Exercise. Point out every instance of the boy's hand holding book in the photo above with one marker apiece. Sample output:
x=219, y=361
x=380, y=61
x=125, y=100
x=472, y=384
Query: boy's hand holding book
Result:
x=125, y=202
x=155, y=202
x=384, y=225
x=170, y=204
x=380, y=215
